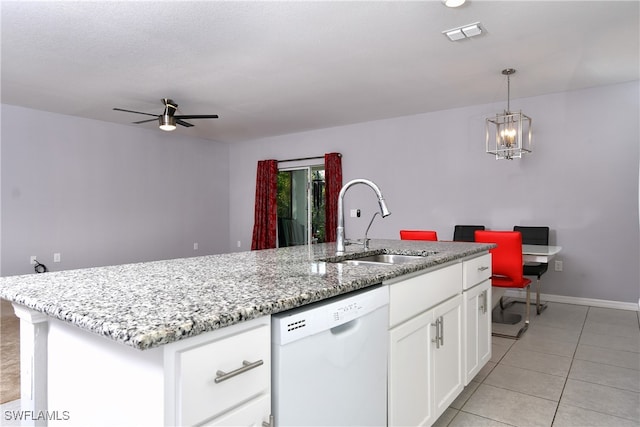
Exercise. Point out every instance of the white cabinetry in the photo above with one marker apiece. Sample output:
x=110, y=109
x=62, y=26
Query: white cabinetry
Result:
x=100, y=382
x=425, y=338
x=447, y=354
x=477, y=314
x=222, y=378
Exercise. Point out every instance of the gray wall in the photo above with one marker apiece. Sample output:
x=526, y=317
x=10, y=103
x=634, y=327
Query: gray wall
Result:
x=100, y=193
x=581, y=180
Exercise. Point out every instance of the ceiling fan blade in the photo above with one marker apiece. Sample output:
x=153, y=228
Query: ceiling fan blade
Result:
x=146, y=121
x=198, y=116
x=136, y=112
x=183, y=123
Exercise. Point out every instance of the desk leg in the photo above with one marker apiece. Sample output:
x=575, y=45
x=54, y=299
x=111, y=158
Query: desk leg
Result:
x=539, y=308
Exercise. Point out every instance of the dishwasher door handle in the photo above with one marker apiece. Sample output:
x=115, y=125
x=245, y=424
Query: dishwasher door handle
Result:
x=345, y=327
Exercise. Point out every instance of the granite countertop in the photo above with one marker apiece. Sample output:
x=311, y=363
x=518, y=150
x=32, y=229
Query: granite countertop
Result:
x=148, y=304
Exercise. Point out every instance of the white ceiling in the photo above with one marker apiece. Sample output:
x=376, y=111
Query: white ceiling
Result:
x=271, y=68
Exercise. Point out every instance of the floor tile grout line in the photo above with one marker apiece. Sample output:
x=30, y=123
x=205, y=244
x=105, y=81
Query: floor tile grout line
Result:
x=486, y=418
x=521, y=392
x=538, y=372
x=564, y=386
x=609, y=364
x=605, y=385
x=599, y=412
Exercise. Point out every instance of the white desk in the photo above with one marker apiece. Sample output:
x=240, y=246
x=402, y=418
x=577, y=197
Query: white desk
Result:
x=539, y=253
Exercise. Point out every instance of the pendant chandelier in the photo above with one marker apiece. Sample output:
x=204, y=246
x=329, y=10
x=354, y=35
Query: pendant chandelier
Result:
x=508, y=135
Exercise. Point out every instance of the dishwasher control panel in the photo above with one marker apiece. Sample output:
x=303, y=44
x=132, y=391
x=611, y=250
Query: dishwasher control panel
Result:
x=304, y=321
x=347, y=312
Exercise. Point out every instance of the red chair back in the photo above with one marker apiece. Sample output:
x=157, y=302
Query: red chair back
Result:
x=506, y=258
x=418, y=235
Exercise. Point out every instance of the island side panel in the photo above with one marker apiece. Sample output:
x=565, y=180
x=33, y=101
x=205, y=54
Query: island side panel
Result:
x=34, y=329
x=93, y=381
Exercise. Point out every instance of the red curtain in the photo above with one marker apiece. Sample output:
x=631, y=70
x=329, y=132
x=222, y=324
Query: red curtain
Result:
x=266, y=212
x=333, y=180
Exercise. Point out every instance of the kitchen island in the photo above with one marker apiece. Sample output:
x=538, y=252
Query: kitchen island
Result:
x=148, y=312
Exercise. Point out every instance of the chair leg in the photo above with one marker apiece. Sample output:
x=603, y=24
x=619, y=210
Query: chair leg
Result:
x=503, y=305
x=526, y=319
x=528, y=306
x=539, y=307
x=498, y=315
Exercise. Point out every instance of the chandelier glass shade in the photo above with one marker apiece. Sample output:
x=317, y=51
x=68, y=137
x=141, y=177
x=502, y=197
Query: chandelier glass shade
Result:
x=508, y=134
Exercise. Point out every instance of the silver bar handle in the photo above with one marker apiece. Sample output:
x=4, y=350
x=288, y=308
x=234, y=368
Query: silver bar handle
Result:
x=483, y=268
x=483, y=308
x=441, y=330
x=486, y=300
x=437, y=338
x=246, y=366
x=271, y=422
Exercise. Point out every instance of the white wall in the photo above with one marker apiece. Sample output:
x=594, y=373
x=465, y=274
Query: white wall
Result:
x=581, y=180
x=100, y=193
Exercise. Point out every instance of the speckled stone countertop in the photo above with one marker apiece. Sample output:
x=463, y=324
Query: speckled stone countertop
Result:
x=145, y=305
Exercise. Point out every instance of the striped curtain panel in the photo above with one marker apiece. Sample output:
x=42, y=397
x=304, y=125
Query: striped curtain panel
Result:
x=266, y=212
x=333, y=180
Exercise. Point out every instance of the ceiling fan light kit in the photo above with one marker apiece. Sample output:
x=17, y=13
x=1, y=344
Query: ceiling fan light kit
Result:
x=453, y=3
x=508, y=134
x=168, y=120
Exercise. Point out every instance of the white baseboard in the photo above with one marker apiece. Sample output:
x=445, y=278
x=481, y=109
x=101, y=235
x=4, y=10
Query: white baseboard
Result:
x=576, y=300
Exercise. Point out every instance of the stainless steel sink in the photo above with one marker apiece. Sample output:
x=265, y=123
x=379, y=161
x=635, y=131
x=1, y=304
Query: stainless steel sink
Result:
x=383, y=259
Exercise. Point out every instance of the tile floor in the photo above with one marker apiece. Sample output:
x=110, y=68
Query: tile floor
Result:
x=574, y=366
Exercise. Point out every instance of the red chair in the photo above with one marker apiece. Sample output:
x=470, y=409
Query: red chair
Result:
x=506, y=265
x=418, y=235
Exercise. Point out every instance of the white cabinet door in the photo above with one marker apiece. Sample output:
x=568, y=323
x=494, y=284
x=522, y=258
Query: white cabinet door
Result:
x=447, y=353
x=484, y=325
x=410, y=352
x=425, y=365
x=477, y=330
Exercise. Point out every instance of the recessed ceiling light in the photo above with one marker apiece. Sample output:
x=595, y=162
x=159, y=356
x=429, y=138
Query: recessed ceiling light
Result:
x=453, y=3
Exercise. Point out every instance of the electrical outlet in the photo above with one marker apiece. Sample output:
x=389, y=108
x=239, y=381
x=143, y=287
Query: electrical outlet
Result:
x=195, y=246
x=239, y=243
x=558, y=266
x=32, y=260
x=56, y=257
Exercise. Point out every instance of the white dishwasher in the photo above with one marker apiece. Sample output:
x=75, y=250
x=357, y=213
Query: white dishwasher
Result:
x=329, y=362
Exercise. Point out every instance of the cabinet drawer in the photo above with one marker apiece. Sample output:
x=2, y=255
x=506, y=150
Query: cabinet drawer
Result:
x=200, y=397
x=412, y=296
x=476, y=270
x=252, y=413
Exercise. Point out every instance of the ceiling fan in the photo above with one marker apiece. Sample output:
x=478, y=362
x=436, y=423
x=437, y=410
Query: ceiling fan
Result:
x=168, y=119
